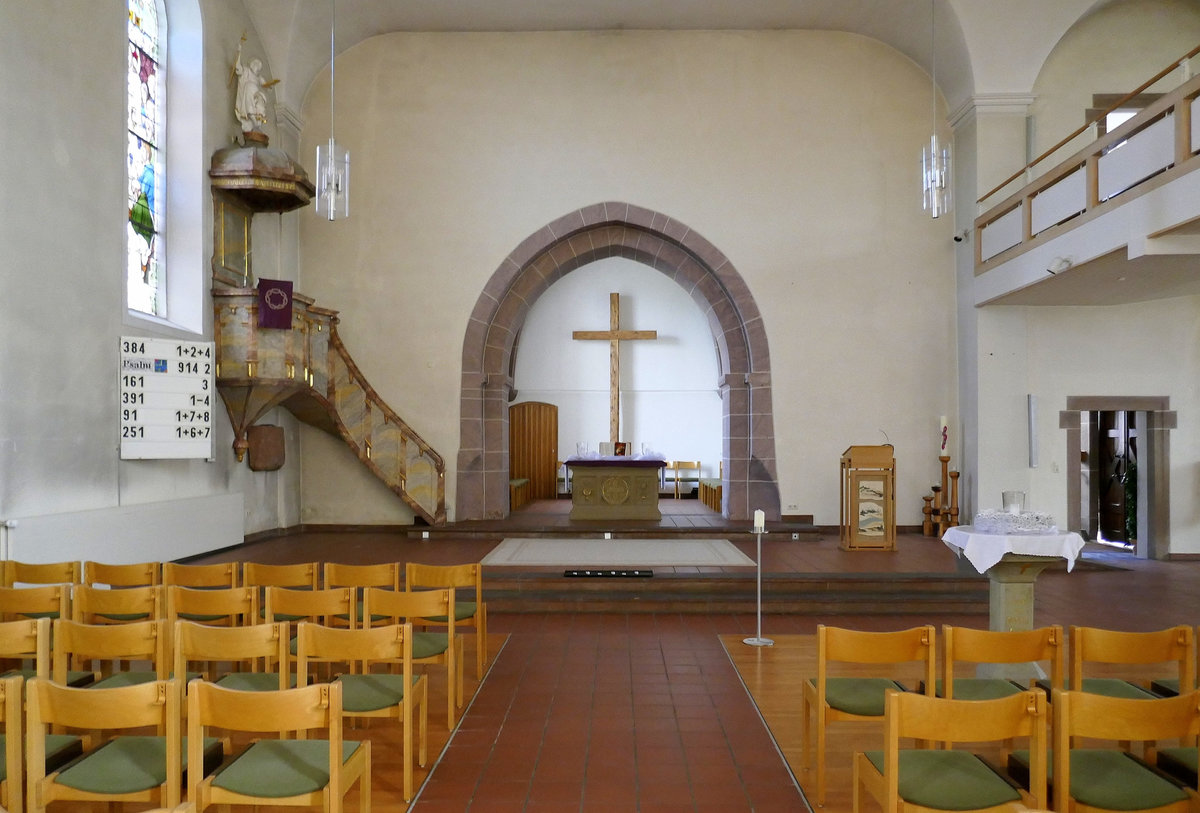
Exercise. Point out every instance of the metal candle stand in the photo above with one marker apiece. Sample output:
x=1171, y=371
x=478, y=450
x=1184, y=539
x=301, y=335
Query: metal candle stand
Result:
x=758, y=639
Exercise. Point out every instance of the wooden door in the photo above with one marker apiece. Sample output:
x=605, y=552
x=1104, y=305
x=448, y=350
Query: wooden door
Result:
x=533, y=447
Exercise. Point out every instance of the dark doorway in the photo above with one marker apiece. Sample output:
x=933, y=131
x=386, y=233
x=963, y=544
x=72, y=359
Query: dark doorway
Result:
x=1115, y=470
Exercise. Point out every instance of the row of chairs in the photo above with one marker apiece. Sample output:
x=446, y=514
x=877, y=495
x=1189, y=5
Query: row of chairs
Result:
x=94, y=608
x=861, y=696
x=1087, y=767
x=470, y=610
x=63, y=759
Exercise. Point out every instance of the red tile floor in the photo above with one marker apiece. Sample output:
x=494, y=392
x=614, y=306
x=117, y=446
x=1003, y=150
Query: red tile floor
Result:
x=644, y=711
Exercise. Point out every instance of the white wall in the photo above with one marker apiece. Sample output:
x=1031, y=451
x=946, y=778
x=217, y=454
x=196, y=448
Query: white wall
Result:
x=1113, y=50
x=669, y=398
x=793, y=152
x=1149, y=348
x=62, y=103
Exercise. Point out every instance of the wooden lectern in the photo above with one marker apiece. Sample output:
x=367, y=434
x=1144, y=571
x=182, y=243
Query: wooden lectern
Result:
x=868, y=498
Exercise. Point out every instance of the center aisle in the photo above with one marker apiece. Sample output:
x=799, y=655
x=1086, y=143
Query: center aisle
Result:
x=611, y=712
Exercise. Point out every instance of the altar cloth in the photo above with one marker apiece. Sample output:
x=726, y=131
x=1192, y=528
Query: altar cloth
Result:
x=985, y=550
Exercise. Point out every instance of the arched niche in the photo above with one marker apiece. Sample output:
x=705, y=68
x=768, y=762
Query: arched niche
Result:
x=576, y=239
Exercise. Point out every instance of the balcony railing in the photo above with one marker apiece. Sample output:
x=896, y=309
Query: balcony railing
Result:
x=1158, y=145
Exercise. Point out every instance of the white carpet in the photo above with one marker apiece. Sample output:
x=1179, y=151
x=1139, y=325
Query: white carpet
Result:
x=617, y=553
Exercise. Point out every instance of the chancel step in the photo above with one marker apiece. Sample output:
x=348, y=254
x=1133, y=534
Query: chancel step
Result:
x=804, y=594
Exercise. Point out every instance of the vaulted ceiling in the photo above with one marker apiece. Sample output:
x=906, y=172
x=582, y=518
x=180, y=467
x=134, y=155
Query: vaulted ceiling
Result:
x=977, y=41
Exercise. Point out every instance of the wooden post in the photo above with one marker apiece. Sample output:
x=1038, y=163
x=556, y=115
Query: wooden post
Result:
x=927, y=523
x=954, y=498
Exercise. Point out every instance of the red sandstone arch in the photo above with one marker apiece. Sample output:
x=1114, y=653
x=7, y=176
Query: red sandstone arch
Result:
x=593, y=233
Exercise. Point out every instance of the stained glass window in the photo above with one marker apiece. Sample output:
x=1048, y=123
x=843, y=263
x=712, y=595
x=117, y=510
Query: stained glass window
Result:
x=145, y=160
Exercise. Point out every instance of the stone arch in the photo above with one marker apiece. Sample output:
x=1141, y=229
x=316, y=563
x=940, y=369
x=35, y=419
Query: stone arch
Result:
x=576, y=239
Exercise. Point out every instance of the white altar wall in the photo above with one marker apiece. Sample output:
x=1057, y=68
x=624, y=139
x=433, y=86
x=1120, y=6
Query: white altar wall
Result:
x=669, y=397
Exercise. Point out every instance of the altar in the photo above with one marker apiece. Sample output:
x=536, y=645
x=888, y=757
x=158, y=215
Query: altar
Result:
x=615, y=488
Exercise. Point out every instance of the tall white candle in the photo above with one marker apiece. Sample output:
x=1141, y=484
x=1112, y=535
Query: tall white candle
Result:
x=760, y=520
x=943, y=435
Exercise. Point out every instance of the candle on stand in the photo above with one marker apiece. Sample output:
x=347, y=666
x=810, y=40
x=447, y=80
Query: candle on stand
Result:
x=943, y=435
x=759, y=521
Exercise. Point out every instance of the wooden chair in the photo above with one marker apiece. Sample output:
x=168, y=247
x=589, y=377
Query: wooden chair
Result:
x=927, y=779
x=141, y=574
x=25, y=644
x=470, y=611
x=107, y=650
x=857, y=698
x=1095, y=645
x=260, y=651
x=301, y=575
x=126, y=768
x=681, y=469
x=385, y=575
x=45, y=601
x=220, y=574
x=1108, y=778
x=366, y=693
x=975, y=646
x=428, y=647
x=273, y=772
x=218, y=606
x=101, y=605
x=16, y=573
x=323, y=606
x=12, y=743
x=331, y=606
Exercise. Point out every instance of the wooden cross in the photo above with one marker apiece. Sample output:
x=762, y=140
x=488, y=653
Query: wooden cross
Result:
x=614, y=335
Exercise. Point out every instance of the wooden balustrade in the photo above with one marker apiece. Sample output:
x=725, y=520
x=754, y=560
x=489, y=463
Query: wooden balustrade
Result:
x=308, y=371
x=1092, y=180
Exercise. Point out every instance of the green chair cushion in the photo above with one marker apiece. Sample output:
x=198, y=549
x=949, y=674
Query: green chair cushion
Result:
x=280, y=768
x=202, y=618
x=134, y=677
x=1165, y=687
x=60, y=749
x=75, y=677
x=124, y=618
x=429, y=644
x=371, y=692
x=462, y=610
x=1114, y=687
x=1180, y=762
x=1114, y=780
x=126, y=765
x=253, y=681
x=948, y=780
x=861, y=696
x=981, y=688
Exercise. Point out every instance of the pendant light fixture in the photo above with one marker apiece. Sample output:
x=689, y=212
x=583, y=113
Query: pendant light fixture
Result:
x=935, y=157
x=333, y=160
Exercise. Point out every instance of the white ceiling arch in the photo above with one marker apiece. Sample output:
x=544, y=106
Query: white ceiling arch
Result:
x=982, y=46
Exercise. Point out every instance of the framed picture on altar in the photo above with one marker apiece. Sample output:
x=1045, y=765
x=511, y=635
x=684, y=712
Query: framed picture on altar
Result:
x=621, y=448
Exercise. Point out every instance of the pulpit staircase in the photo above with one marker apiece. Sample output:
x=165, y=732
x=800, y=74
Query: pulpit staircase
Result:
x=308, y=371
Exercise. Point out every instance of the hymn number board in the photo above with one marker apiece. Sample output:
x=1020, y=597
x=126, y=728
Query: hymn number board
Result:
x=167, y=398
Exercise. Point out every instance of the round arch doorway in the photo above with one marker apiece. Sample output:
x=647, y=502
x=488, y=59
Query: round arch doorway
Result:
x=598, y=231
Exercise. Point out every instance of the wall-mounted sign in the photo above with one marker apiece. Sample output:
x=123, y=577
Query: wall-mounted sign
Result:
x=167, y=398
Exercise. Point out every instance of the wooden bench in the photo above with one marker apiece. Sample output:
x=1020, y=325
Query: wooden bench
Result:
x=710, y=493
x=518, y=493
